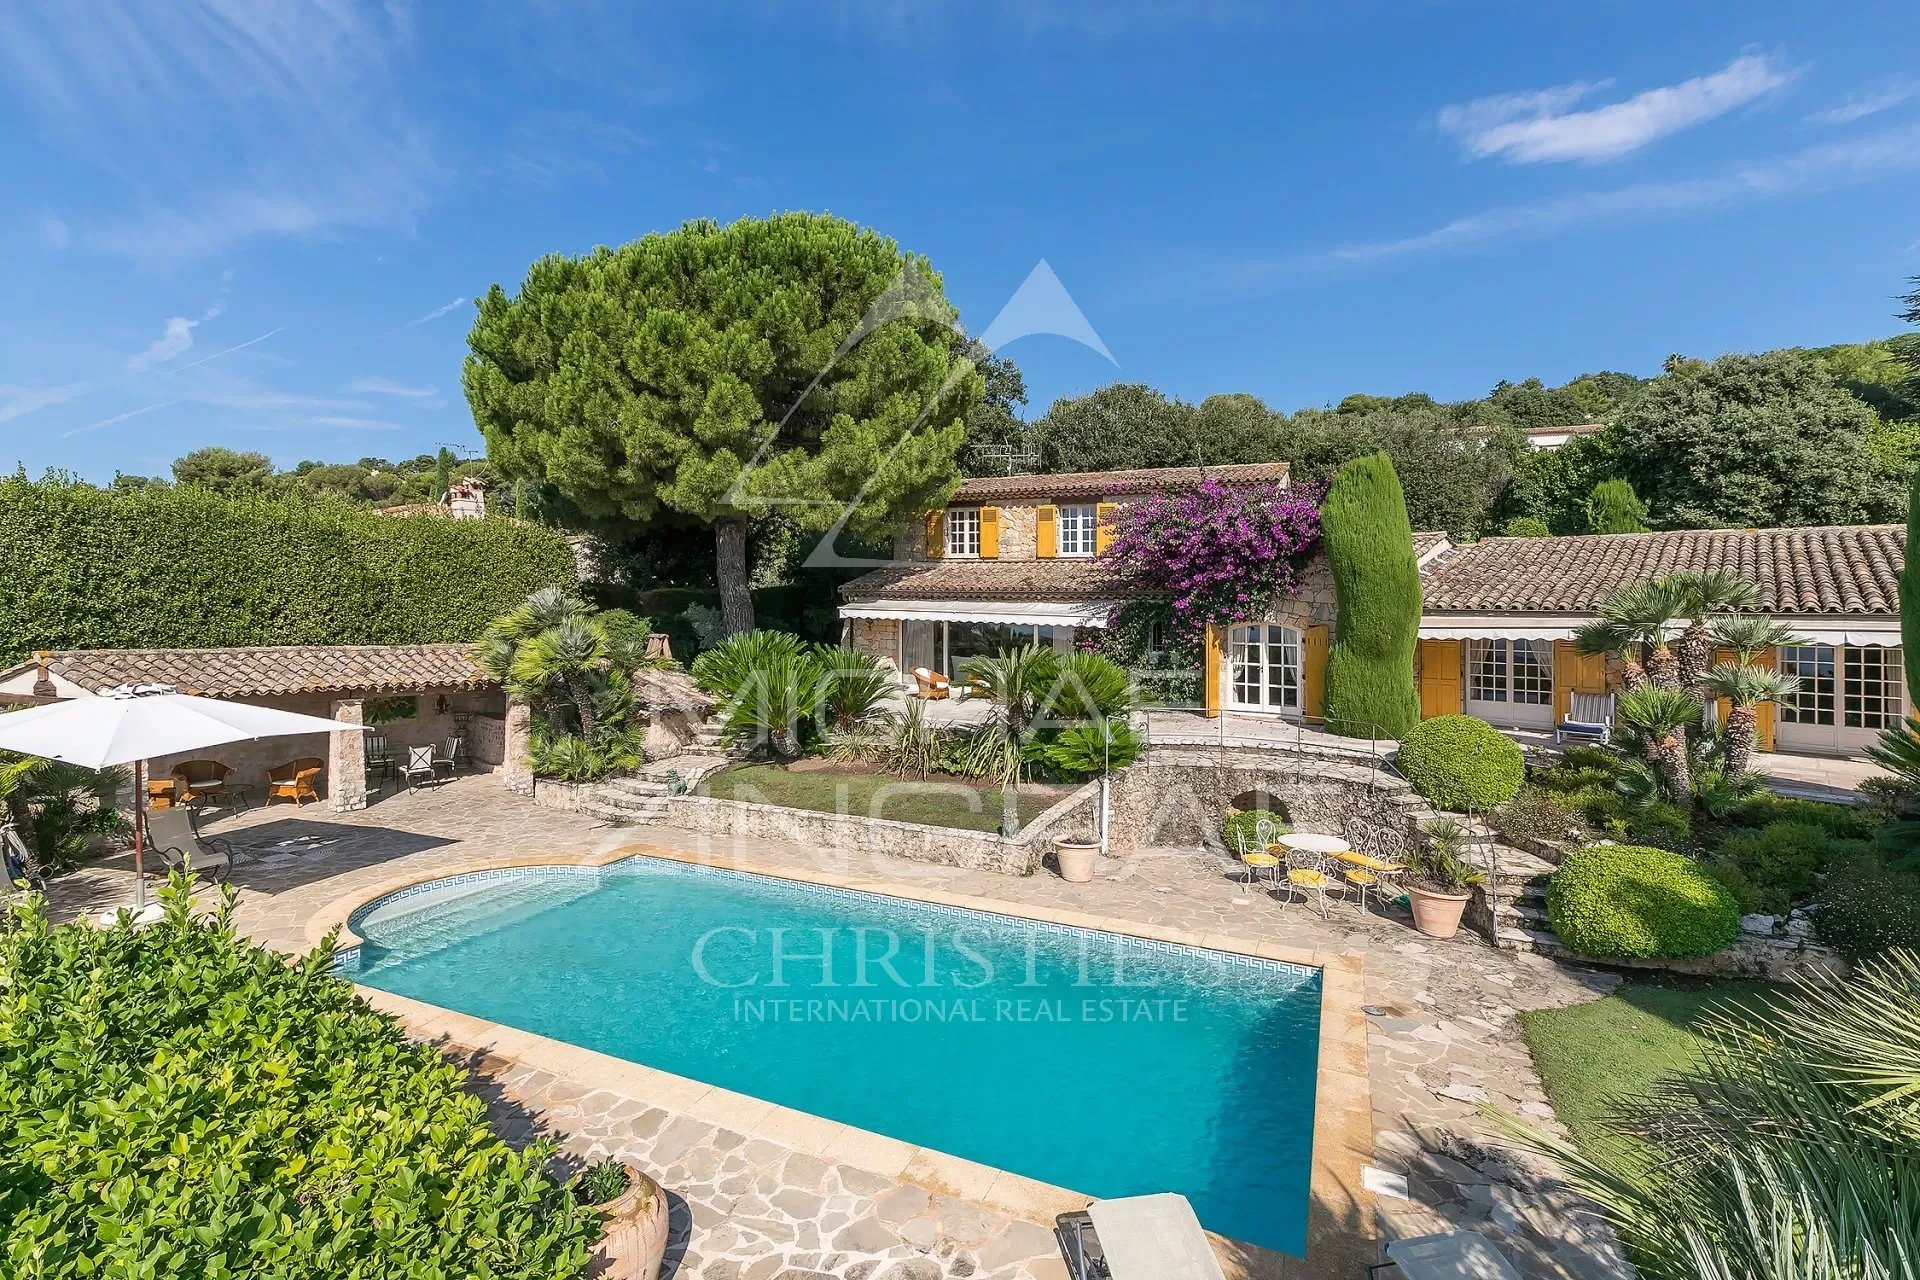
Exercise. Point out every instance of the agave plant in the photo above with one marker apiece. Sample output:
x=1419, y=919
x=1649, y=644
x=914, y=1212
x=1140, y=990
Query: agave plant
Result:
x=1701, y=595
x=1790, y=1150
x=1661, y=716
x=1745, y=687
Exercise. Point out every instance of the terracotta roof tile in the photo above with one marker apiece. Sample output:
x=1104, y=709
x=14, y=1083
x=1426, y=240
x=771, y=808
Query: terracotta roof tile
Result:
x=1095, y=484
x=277, y=670
x=988, y=580
x=1828, y=569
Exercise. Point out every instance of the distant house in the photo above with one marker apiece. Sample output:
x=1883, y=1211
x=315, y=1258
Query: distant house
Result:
x=465, y=500
x=1554, y=437
x=1020, y=558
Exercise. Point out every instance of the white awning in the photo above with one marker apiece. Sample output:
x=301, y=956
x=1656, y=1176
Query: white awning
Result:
x=1859, y=633
x=1887, y=638
x=1080, y=613
x=1493, y=631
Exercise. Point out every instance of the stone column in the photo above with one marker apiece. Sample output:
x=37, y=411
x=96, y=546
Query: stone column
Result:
x=516, y=772
x=347, y=760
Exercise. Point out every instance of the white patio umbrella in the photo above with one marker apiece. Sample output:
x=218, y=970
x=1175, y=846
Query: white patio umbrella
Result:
x=130, y=724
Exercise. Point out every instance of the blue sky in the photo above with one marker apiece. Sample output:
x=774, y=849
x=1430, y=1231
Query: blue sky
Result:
x=260, y=225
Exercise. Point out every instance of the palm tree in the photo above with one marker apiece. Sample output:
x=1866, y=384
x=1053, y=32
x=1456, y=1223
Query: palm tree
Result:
x=1661, y=717
x=1612, y=640
x=564, y=656
x=1749, y=635
x=1646, y=611
x=1700, y=595
x=1745, y=687
x=1788, y=1149
x=31, y=786
x=1019, y=682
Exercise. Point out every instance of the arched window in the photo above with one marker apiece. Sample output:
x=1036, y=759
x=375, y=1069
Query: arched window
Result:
x=1263, y=661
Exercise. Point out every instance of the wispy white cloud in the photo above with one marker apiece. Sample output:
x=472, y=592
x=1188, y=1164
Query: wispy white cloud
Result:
x=1539, y=126
x=238, y=346
x=18, y=401
x=233, y=119
x=388, y=387
x=1817, y=168
x=436, y=313
x=177, y=337
x=1869, y=102
x=119, y=418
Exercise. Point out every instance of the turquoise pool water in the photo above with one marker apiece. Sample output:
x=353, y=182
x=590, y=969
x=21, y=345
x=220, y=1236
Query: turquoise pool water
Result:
x=1108, y=1065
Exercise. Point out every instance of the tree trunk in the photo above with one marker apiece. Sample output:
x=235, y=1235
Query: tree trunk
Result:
x=1662, y=668
x=581, y=695
x=1673, y=763
x=1632, y=674
x=1743, y=732
x=730, y=563
x=785, y=742
x=1010, y=807
x=1696, y=656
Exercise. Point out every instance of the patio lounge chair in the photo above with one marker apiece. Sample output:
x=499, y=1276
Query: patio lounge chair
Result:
x=1136, y=1238
x=419, y=767
x=23, y=870
x=295, y=779
x=451, y=754
x=172, y=835
x=1589, y=715
x=1456, y=1255
x=201, y=780
x=931, y=684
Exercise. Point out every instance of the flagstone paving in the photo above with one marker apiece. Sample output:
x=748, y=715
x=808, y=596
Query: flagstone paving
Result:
x=1443, y=1042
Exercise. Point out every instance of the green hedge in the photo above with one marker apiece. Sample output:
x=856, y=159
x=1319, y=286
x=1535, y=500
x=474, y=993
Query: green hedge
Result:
x=1638, y=903
x=175, y=1102
x=183, y=568
x=809, y=609
x=1461, y=762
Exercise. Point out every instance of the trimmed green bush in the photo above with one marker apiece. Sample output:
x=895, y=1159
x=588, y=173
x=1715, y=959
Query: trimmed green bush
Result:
x=1613, y=507
x=1662, y=824
x=1637, y=903
x=1526, y=527
x=1773, y=869
x=1461, y=762
x=175, y=1102
x=1867, y=907
x=1370, y=550
x=185, y=568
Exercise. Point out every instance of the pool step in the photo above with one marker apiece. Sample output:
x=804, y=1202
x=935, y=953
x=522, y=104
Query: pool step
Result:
x=429, y=922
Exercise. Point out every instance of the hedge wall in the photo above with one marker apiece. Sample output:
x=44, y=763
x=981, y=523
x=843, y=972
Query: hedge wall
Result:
x=87, y=569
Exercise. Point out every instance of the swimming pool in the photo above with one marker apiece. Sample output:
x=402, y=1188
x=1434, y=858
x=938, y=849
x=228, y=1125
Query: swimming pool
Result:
x=1108, y=1065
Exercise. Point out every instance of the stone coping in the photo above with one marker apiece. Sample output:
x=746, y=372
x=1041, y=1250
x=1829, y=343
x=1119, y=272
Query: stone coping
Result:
x=1340, y=1213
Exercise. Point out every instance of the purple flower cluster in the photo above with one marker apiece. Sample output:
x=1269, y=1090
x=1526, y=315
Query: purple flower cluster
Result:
x=1222, y=552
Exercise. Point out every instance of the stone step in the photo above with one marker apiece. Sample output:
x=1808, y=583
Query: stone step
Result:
x=622, y=816
x=1529, y=914
x=636, y=786
x=1535, y=941
x=610, y=798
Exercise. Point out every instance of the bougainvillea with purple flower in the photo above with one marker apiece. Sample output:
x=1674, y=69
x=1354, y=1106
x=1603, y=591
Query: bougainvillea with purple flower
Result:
x=1221, y=552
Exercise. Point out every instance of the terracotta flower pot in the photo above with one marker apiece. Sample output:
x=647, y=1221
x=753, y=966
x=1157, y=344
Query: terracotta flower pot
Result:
x=634, y=1241
x=1076, y=858
x=1436, y=914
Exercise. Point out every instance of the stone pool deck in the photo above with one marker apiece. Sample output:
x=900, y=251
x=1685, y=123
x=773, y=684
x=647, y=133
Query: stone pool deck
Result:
x=1441, y=1041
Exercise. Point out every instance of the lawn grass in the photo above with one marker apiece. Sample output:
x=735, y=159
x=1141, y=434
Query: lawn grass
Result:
x=1590, y=1055
x=939, y=801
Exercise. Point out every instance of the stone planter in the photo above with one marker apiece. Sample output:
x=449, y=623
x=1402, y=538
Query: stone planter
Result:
x=1076, y=858
x=1436, y=914
x=634, y=1241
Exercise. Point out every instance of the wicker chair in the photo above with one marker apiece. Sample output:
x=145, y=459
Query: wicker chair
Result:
x=295, y=780
x=201, y=780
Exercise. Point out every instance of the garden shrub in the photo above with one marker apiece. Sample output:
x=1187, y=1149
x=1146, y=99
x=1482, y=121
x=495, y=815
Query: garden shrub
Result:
x=1662, y=824
x=1537, y=814
x=1244, y=822
x=1526, y=527
x=1842, y=821
x=185, y=568
x=1867, y=908
x=1636, y=902
x=175, y=1102
x=1773, y=869
x=1377, y=585
x=1461, y=762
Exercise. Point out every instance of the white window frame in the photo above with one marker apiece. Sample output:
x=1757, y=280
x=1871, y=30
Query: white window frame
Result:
x=963, y=533
x=1264, y=661
x=1079, y=531
x=1847, y=695
x=1510, y=682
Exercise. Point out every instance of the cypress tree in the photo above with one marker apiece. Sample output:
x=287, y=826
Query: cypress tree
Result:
x=1613, y=507
x=1910, y=595
x=1377, y=582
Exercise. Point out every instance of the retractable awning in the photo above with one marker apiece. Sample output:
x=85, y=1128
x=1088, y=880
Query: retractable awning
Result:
x=1077, y=613
x=1858, y=633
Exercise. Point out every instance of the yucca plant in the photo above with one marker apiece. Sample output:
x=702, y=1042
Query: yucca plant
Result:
x=1661, y=716
x=1700, y=596
x=1745, y=687
x=1019, y=683
x=1790, y=1149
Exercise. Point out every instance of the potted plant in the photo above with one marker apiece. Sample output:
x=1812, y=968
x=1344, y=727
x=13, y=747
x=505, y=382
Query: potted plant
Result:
x=1438, y=879
x=633, y=1242
x=1076, y=854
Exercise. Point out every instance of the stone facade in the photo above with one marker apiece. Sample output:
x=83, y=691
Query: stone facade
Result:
x=1176, y=796
x=517, y=730
x=879, y=637
x=347, y=760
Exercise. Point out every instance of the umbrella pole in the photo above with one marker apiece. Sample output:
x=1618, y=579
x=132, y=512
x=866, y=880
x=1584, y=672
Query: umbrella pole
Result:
x=139, y=834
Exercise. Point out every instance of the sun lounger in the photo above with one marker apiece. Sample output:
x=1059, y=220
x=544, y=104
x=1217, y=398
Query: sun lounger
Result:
x=1136, y=1238
x=1456, y=1255
x=171, y=835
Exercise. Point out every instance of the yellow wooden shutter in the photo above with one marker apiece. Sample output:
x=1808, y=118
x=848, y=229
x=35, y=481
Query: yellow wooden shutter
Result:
x=1046, y=531
x=1763, y=721
x=1210, y=670
x=1103, y=531
x=1439, y=678
x=936, y=534
x=989, y=533
x=1574, y=672
x=1313, y=672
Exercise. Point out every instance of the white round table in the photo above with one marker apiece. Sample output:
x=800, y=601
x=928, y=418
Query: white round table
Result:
x=1313, y=842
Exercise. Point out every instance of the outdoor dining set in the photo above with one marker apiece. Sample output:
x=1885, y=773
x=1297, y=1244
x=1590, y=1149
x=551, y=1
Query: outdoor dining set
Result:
x=1366, y=861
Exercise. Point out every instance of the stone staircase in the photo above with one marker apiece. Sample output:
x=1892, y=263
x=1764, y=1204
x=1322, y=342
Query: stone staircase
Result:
x=708, y=740
x=1516, y=897
x=625, y=802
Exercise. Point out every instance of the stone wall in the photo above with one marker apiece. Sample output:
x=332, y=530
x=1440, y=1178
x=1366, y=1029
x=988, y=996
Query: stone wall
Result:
x=1176, y=796
x=879, y=637
x=488, y=740
x=840, y=837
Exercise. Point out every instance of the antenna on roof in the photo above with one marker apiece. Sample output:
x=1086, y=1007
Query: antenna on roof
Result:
x=1004, y=459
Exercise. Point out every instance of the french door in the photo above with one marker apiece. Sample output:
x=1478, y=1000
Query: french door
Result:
x=1263, y=665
